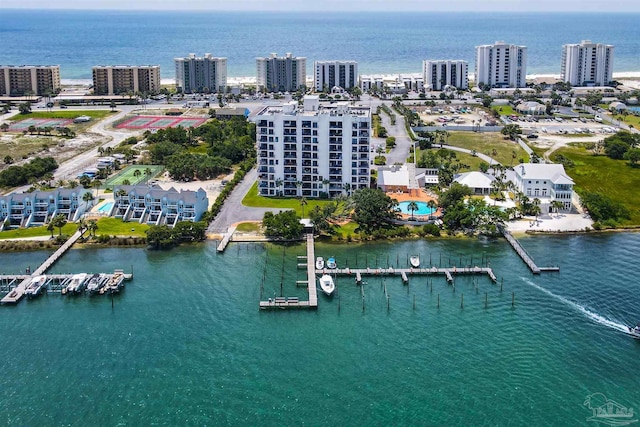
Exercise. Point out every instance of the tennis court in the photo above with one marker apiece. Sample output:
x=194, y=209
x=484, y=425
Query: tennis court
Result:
x=129, y=173
x=39, y=123
x=160, y=122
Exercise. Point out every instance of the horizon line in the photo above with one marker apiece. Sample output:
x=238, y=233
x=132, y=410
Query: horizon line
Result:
x=582, y=12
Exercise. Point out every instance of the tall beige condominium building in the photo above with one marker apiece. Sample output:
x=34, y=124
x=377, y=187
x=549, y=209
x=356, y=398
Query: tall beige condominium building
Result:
x=501, y=65
x=587, y=64
x=29, y=79
x=121, y=79
x=281, y=74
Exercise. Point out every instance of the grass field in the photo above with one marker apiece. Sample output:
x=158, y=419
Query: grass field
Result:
x=506, y=110
x=117, y=227
x=20, y=233
x=613, y=178
x=67, y=114
x=129, y=173
x=486, y=143
x=110, y=226
x=247, y=227
x=253, y=199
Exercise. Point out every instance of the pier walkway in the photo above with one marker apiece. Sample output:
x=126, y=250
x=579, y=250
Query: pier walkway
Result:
x=226, y=239
x=18, y=292
x=523, y=253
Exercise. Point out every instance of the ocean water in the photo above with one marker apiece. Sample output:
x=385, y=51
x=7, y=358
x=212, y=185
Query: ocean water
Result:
x=185, y=343
x=380, y=42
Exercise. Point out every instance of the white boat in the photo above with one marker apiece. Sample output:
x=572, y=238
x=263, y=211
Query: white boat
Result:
x=327, y=285
x=113, y=285
x=635, y=332
x=331, y=262
x=95, y=283
x=414, y=260
x=35, y=287
x=77, y=283
x=319, y=263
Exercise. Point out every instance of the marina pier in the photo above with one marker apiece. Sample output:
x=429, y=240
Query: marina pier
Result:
x=307, y=262
x=523, y=253
x=16, y=285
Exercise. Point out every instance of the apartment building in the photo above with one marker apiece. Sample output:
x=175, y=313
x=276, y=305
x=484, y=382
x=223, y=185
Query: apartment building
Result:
x=39, y=207
x=501, y=65
x=20, y=80
x=201, y=74
x=330, y=74
x=439, y=74
x=281, y=74
x=313, y=151
x=587, y=64
x=154, y=206
x=123, y=79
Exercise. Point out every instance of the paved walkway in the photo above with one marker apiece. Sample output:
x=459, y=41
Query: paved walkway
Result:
x=234, y=211
x=464, y=150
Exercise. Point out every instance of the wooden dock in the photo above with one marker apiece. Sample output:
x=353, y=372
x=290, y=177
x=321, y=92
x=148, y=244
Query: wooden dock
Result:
x=226, y=239
x=17, y=293
x=523, y=253
x=406, y=273
x=293, y=302
x=54, y=283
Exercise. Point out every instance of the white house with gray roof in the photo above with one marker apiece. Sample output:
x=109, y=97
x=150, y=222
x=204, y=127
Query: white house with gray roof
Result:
x=547, y=182
x=154, y=206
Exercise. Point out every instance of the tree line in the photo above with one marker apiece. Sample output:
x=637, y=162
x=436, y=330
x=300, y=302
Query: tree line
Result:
x=37, y=168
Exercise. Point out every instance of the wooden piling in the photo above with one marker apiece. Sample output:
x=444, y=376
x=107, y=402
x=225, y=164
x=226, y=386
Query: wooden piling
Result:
x=462, y=300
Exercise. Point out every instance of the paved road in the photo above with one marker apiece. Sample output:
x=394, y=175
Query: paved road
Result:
x=234, y=211
x=401, y=151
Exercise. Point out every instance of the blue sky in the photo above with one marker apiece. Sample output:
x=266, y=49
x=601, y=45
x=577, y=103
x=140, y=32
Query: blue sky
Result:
x=336, y=5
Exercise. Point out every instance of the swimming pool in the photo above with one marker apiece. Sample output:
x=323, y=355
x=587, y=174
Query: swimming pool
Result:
x=423, y=209
x=636, y=109
x=106, y=208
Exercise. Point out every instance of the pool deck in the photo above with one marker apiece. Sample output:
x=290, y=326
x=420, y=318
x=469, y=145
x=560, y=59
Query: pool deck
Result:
x=416, y=195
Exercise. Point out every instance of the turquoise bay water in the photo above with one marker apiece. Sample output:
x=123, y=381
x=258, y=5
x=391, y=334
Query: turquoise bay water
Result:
x=423, y=209
x=186, y=344
x=380, y=42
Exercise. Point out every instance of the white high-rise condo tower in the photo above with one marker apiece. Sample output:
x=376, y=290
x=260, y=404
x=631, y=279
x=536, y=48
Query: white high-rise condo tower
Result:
x=201, y=74
x=313, y=151
x=501, y=65
x=330, y=74
x=281, y=74
x=439, y=74
x=587, y=64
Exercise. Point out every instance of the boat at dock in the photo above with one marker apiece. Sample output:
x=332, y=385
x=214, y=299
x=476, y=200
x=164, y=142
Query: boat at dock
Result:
x=36, y=286
x=331, y=263
x=414, y=260
x=77, y=283
x=96, y=282
x=114, y=283
x=326, y=284
x=635, y=331
x=319, y=263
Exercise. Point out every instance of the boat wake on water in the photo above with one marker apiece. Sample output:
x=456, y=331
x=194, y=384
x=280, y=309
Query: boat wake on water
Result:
x=585, y=311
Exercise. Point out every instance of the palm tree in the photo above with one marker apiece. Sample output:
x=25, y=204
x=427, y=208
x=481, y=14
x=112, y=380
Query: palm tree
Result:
x=87, y=197
x=50, y=228
x=347, y=188
x=432, y=205
x=82, y=225
x=299, y=185
x=59, y=221
x=147, y=174
x=325, y=182
x=412, y=206
x=279, y=184
x=136, y=174
x=72, y=183
x=96, y=184
x=92, y=226
x=303, y=203
x=556, y=205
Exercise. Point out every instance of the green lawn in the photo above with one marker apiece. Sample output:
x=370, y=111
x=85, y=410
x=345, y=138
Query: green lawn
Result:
x=248, y=227
x=253, y=199
x=110, y=226
x=117, y=227
x=67, y=114
x=18, y=233
x=613, y=178
x=346, y=229
x=486, y=143
x=506, y=110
